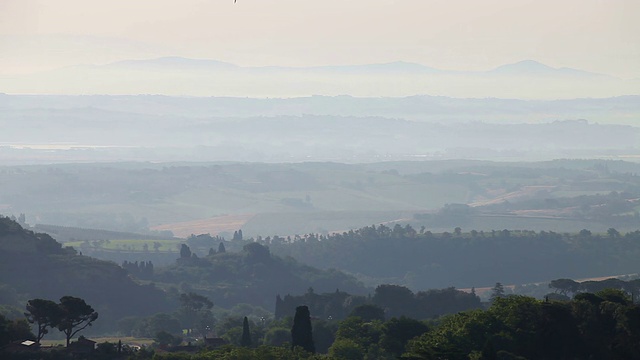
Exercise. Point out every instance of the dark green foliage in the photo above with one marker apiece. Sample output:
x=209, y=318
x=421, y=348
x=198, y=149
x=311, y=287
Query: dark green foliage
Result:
x=497, y=292
x=195, y=302
x=195, y=312
x=364, y=334
x=426, y=260
x=395, y=299
x=256, y=253
x=13, y=330
x=36, y=266
x=277, y=336
x=241, y=353
x=400, y=301
x=164, y=338
x=335, y=305
x=346, y=349
x=252, y=276
x=149, y=326
x=599, y=326
x=301, y=332
x=388, y=299
x=368, y=312
x=45, y=314
x=185, y=252
x=396, y=333
x=75, y=316
x=324, y=335
x=202, y=241
x=245, y=341
x=564, y=286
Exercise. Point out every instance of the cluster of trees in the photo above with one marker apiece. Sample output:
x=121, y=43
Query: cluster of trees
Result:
x=204, y=241
x=192, y=318
x=141, y=270
x=34, y=265
x=71, y=315
x=393, y=300
x=568, y=287
x=252, y=276
x=14, y=330
x=605, y=325
x=421, y=259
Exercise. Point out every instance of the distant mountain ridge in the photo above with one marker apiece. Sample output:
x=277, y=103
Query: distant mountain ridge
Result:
x=533, y=67
x=519, y=68
x=180, y=76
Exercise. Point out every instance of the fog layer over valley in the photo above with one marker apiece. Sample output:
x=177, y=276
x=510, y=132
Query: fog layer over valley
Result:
x=42, y=129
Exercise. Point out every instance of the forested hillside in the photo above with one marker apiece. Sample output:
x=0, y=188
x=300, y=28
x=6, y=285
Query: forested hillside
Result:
x=422, y=260
x=252, y=276
x=36, y=266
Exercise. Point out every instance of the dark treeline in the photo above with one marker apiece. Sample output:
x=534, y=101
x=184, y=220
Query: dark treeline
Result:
x=141, y=270
x=421, y=259
x=393, y=300
x=392, y=321
x=605, y=325
x=569, y=287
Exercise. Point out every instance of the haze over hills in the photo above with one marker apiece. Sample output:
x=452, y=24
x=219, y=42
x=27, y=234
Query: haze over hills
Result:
x=424, y=108
x=46, y=128
x=203, y=77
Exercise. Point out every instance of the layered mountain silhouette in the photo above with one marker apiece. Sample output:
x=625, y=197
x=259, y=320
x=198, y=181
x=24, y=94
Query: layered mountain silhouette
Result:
x=203, y=77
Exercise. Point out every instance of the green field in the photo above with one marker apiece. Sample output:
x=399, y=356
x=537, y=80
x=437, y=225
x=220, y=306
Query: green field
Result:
x=130, y=245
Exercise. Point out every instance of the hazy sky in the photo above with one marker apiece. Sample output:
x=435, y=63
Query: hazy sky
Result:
x=594, y=35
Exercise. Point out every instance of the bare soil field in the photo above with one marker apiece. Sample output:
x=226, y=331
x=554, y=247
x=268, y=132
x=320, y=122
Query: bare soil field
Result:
x=502, y=196
x=213, y=226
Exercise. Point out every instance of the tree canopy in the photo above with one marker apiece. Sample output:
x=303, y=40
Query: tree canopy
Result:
x=76, y=315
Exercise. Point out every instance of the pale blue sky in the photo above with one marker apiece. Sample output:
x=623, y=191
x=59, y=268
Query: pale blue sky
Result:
x=594, y=35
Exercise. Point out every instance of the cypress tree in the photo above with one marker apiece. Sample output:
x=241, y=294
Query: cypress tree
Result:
x=301, y=332
x=245, y=341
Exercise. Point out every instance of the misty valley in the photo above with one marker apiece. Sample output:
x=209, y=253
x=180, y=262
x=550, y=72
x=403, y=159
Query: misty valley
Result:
x=320, y=180
x=172, y=256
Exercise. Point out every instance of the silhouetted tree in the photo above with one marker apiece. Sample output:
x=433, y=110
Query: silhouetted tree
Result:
x=44, y=314
x=497, y=291
x=245, y=341
x=76, y=315
x=193, y=307
x=185, y=252
x=221, y=248
x=301, y=332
